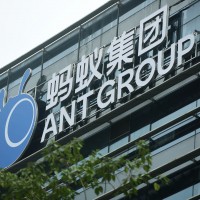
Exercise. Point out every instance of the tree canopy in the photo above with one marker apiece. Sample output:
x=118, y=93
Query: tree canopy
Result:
x=63, y=171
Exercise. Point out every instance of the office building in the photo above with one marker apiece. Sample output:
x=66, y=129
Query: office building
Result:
x=129, y=70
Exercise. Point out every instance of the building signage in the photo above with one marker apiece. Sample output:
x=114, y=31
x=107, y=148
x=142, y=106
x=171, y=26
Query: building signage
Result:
x=18, y=118
x=93, y=79
x=77, y=81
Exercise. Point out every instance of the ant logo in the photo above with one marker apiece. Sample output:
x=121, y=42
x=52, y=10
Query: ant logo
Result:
x=18, y=118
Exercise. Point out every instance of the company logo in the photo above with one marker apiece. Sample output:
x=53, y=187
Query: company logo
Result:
x=18, y=117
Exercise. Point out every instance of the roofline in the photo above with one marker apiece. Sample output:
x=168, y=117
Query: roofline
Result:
x=59, y=35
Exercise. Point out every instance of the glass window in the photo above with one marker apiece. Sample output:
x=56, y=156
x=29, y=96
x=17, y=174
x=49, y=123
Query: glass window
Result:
x=16, y=74
x=99, y=141
x=174, y=115
x=140, y=122
x=140, y=132
x=182, y=195
x=174, y=29
x=98, y=32
x=119, y=133
x=191, y=26
x=171, y=138
x=131, y=12
x=190, y=13
x=196, y=189
x=61, y=54
x=120, y=128
x=175, y=104
x=118, y=143
x=198, y=102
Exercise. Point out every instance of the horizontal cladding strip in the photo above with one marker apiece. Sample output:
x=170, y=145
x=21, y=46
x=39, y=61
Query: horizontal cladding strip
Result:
x=164, y=168
x=122, y=109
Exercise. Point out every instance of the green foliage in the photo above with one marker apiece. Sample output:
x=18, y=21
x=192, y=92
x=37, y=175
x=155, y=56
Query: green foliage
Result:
x=62, y=169
x=156, y=186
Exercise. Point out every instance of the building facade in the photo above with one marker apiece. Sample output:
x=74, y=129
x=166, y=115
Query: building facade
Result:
x=128, y=71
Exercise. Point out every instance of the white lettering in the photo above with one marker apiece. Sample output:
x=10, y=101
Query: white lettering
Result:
x=110, y=93
x=183, y=51
x=84, y=99
x=160, y=67
x=126, y=84
x=64, y=114
x=50, y=126
x=138, y=78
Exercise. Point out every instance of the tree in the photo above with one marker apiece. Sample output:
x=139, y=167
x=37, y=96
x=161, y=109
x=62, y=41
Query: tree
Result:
x=62, y=170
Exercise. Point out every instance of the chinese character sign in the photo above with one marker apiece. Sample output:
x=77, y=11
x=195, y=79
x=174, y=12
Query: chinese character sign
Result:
x=87, y=69
x=120, y=50
x=153, y=30
x=59, y=87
